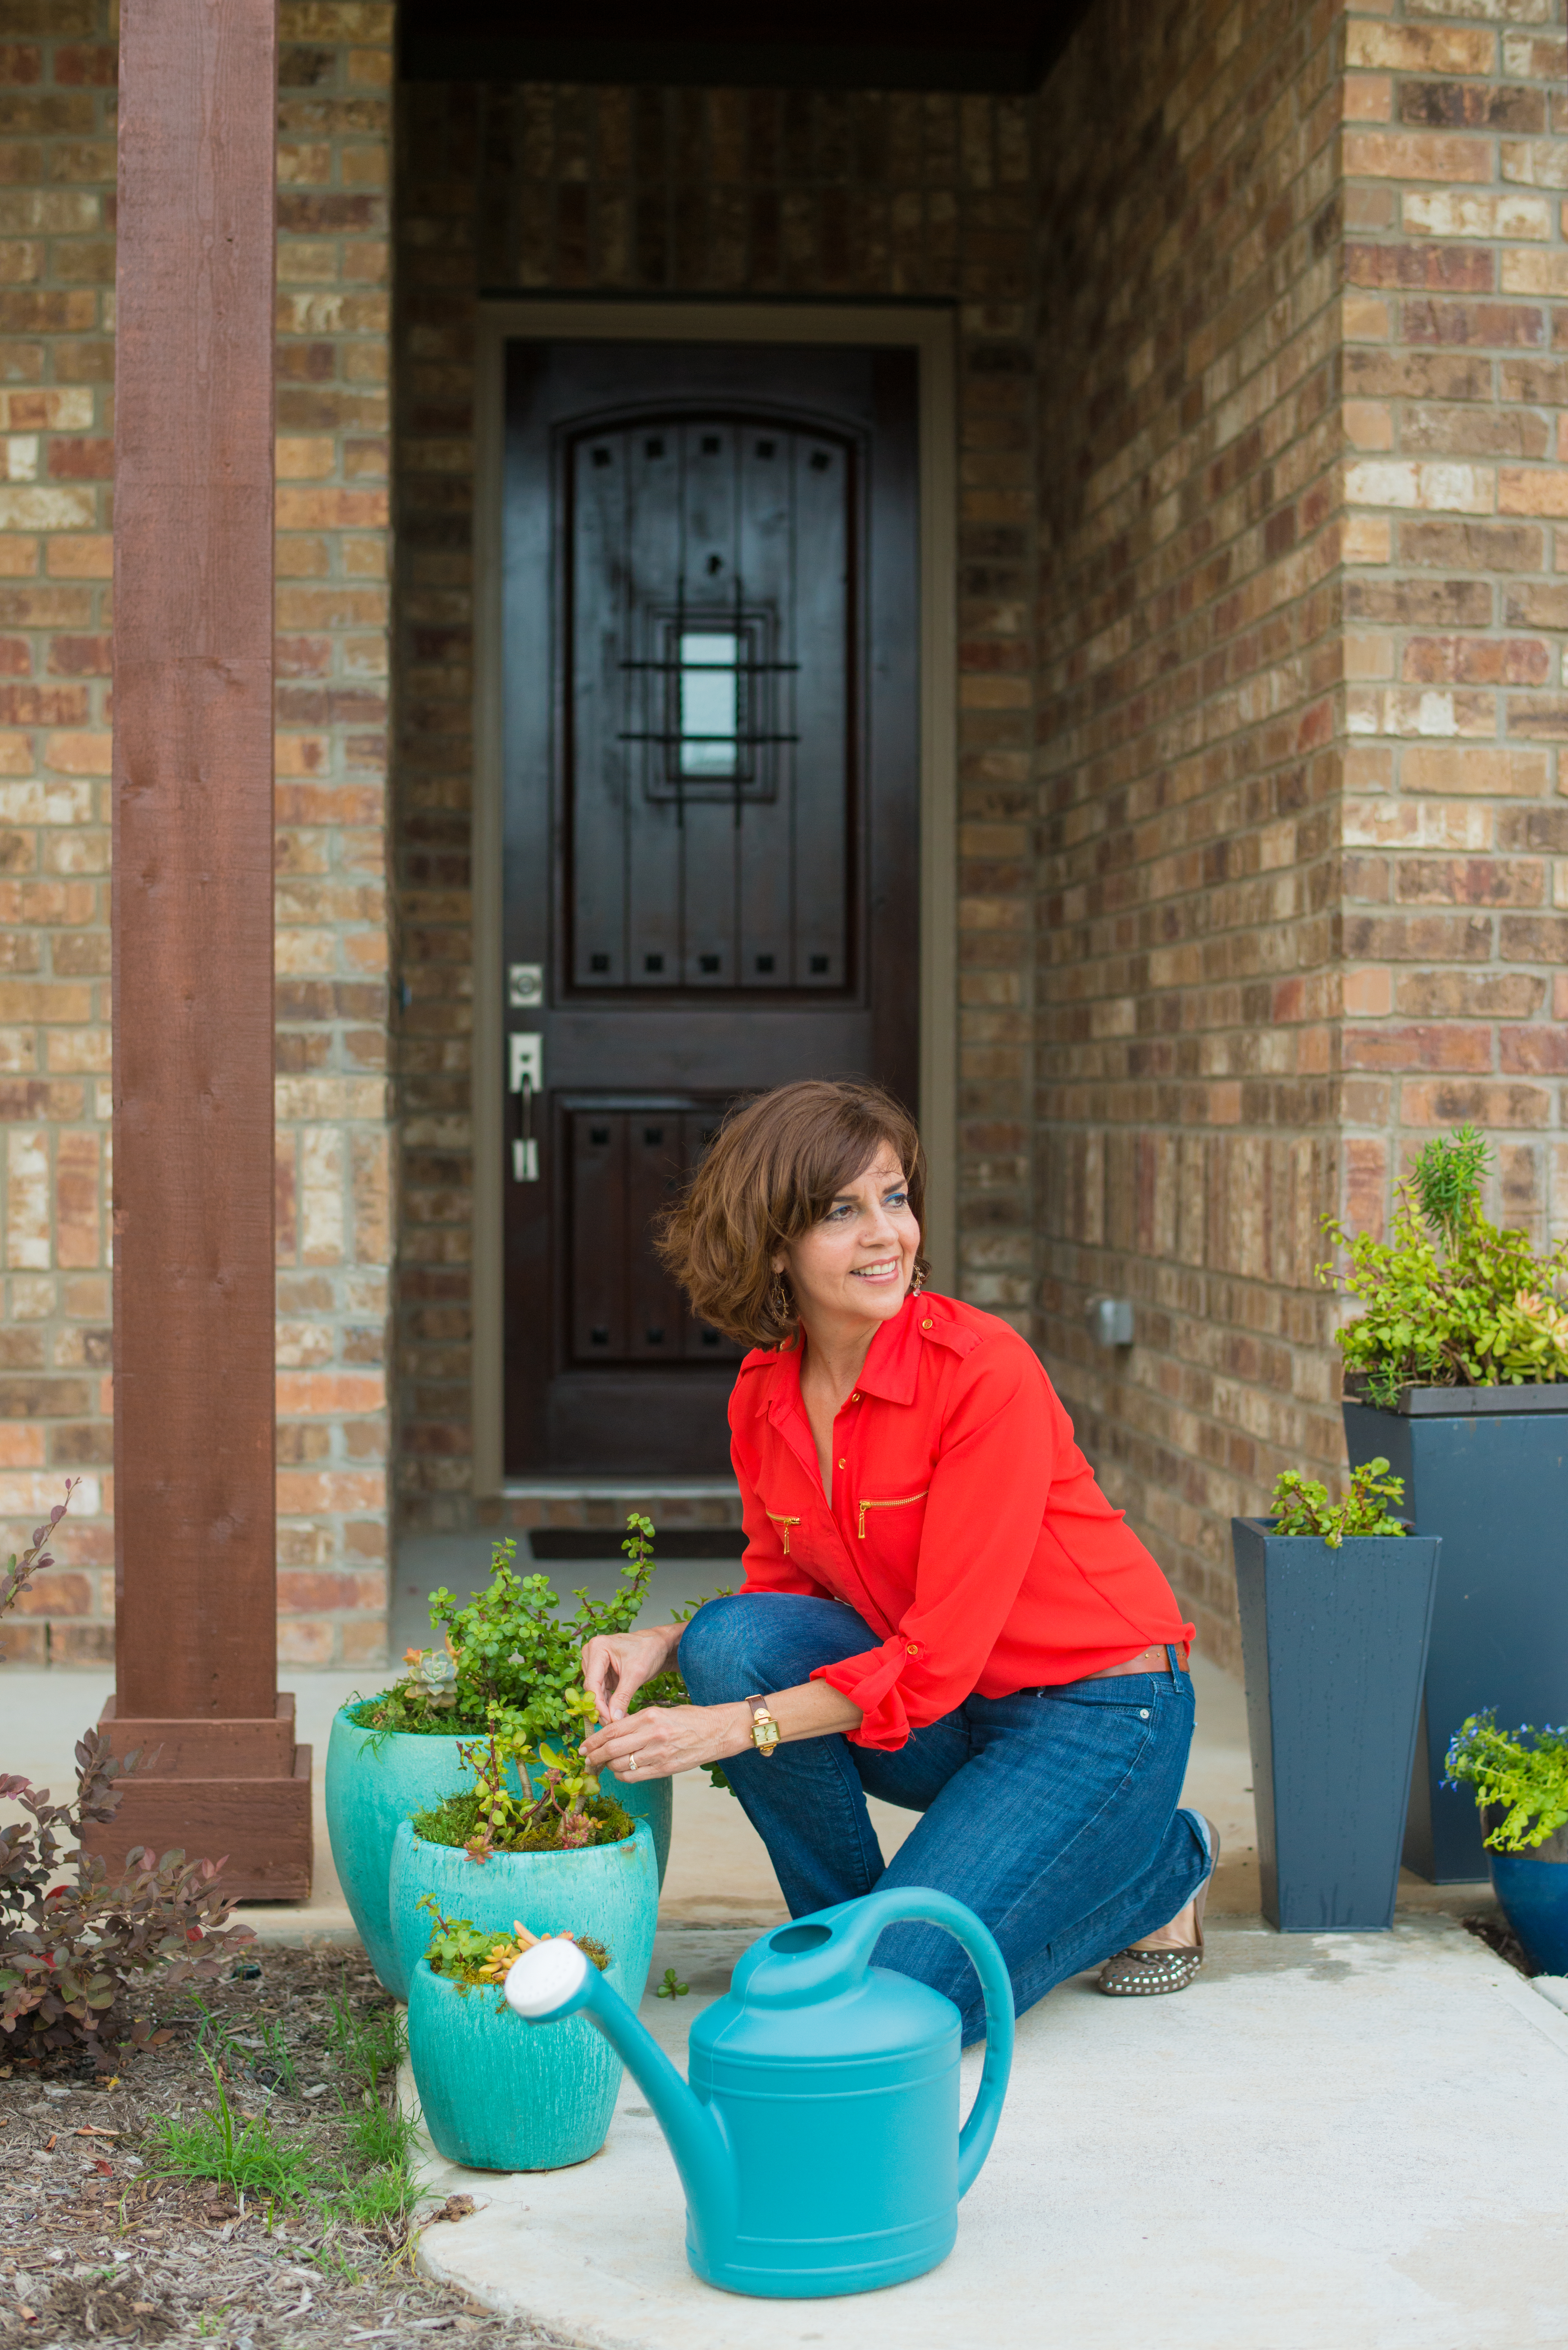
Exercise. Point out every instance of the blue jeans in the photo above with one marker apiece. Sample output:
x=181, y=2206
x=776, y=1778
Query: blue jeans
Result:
x=1050, y=1814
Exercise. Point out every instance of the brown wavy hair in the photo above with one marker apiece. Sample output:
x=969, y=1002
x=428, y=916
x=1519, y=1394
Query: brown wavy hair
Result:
x=775, y=1168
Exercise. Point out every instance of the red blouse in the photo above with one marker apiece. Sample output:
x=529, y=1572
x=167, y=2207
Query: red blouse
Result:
x=965, y=1527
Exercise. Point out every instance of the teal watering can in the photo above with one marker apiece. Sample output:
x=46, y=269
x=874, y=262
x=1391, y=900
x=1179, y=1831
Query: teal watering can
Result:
x=818, y=2142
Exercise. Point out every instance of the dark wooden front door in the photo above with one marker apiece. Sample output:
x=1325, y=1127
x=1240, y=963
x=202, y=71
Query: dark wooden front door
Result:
x=711, y=625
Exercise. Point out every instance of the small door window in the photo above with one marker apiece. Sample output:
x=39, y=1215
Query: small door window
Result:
x=711, y=702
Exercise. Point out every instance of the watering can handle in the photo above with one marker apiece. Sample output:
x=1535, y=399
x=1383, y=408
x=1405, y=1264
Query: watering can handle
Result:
x=871, y=1915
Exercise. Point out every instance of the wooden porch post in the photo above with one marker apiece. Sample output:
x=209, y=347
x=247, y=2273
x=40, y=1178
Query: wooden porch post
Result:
x=195, y=1637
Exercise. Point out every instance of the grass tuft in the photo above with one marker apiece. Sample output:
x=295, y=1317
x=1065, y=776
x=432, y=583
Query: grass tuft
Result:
x=249, y=2156
x=373, y=2187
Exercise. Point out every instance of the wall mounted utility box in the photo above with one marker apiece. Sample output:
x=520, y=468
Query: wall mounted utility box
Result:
x=1110, y=1321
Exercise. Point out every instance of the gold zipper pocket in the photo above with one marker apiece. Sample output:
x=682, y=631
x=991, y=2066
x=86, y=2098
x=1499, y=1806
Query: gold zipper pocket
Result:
x=783, y=1525
x=902, y=1502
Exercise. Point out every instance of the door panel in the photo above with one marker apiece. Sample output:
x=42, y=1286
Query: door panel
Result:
x=710, y=613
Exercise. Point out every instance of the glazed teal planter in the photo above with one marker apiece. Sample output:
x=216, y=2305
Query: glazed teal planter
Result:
x=376, y=1780
x=652, y=1800
x=609, y=1892
x=497, y=2096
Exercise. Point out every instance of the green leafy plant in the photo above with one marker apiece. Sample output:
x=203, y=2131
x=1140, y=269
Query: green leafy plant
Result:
x=79, y=1948
x=1301, y=1505
x=671, y=1987
x=508, y=1656
x=1449, y=1299
x=1532, y=1782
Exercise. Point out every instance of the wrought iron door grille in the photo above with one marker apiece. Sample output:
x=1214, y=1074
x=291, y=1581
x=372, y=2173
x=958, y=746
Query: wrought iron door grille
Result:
x=710, y=687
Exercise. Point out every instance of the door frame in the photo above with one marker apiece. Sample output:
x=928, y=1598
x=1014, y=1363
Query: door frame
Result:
x=928, y=331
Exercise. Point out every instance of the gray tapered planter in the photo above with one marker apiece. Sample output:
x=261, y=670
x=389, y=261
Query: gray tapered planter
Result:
x=1335, y=1644
x=1489, y=1472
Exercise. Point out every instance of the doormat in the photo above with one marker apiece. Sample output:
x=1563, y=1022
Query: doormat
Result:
x=569, y=1544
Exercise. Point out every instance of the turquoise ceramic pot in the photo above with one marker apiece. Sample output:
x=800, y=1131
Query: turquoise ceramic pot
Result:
x=374, y=1780
x=377, y=1779
x=654, y=1800
x=496, y=2094
x=609, y=1892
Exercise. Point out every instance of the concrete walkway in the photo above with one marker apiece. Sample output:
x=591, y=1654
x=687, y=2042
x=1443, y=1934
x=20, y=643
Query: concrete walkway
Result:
x=1329, y=2143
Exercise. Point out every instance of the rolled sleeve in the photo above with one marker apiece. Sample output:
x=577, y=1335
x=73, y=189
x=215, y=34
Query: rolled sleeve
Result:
x=983, y=1521
x=871, y=1681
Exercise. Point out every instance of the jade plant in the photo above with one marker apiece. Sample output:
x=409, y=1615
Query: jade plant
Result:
x=508, y=1656
x=473, y=1958
x=1528, y=1783
x=1449, y=1299
x=1301, y=1505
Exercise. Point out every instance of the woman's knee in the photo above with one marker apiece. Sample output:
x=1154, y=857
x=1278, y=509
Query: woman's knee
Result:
x=717, y=1651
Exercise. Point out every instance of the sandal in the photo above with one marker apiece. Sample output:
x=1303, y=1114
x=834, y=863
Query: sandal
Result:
x=1144, y=1974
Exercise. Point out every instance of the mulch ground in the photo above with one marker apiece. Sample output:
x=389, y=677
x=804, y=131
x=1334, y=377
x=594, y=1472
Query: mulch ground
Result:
x=97, y=2246
x=1498, y=1936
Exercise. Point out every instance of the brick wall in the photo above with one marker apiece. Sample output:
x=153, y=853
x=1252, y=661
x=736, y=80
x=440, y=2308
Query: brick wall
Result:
x=335, y=1205
x=57, y=365
x=56, y=274
x=1456, y=596
x=696, y=192
x=1190, y=755
x=1299, y=693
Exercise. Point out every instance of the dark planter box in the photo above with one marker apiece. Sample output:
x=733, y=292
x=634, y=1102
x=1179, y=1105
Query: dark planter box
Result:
x=1335, y=1643
x=1494, y=1485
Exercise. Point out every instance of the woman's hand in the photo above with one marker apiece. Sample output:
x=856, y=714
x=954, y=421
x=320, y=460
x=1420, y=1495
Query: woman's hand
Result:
x=664, y=1739
x=616, y=1664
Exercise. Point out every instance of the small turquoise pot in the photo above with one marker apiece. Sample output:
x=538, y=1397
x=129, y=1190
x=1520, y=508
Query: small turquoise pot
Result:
x=1532, y=1888
x=497, y=2096
x=608, y=1891
x=378, y=1779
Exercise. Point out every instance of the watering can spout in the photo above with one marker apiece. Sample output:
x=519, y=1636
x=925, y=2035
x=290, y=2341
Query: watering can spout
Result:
x=554, y=1979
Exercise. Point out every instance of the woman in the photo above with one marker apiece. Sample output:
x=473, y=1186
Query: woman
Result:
x=940, y=1608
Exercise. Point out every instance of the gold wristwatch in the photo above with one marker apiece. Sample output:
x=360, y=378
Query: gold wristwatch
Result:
x=764, y=1729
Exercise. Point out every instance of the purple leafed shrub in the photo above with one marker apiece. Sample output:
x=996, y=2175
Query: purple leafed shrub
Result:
x=79, y=1950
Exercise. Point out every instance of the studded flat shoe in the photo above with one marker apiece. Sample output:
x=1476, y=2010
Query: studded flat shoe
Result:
x=1147, y=1974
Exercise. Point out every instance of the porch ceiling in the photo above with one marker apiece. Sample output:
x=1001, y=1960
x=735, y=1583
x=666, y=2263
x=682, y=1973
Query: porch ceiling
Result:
x=1008, y=46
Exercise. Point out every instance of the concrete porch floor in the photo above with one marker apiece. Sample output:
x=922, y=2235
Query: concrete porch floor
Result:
x=1349, y=2141
x=1357, y=2140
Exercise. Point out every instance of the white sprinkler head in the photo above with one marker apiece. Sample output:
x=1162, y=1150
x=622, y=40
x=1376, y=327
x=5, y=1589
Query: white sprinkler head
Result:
x=544, y=1978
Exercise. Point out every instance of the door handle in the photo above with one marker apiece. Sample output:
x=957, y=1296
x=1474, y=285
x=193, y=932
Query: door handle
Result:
x=525, y=1077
